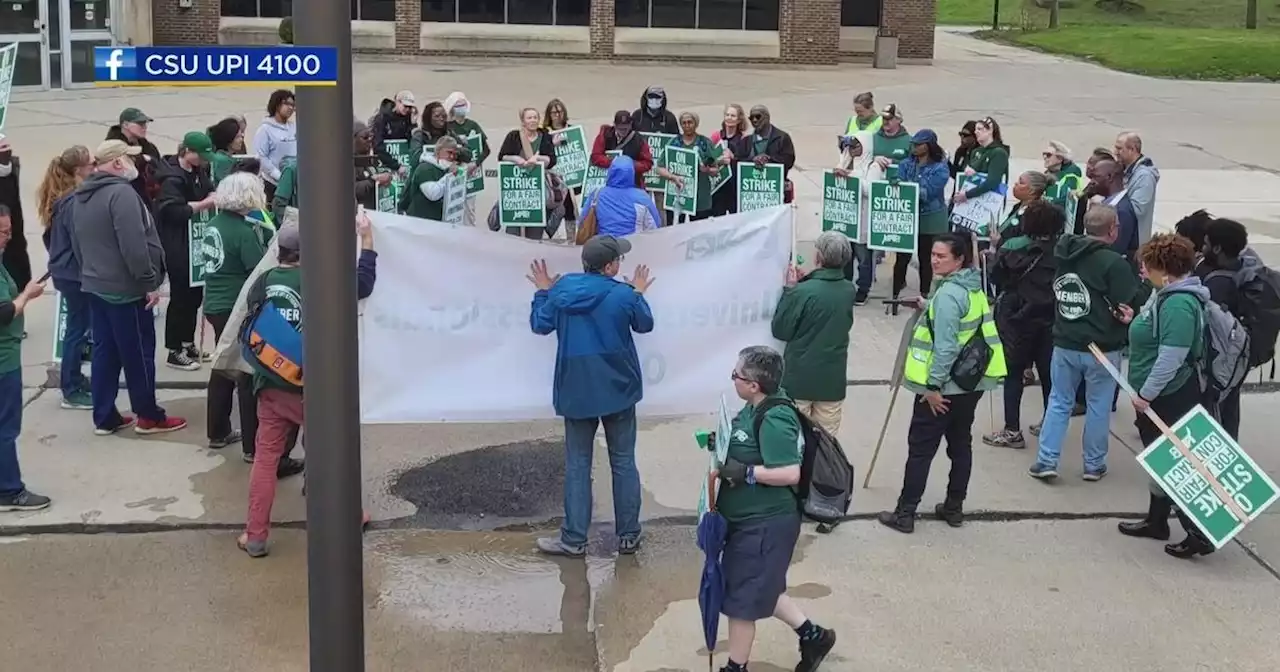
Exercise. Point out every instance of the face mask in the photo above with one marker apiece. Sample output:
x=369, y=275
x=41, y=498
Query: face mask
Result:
x=462, y=111
x=444, y=163
x=654, y=103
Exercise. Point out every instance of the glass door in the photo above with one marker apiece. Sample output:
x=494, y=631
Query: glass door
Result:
x=26, y=22
x=83, y=25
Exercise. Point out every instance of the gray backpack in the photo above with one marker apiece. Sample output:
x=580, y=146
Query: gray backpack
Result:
x=1225, y=361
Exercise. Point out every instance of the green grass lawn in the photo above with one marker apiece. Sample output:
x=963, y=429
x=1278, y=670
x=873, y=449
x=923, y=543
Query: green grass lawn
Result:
x=1183, y=39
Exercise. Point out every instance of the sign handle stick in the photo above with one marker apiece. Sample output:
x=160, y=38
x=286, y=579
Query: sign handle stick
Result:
x=895, y=380
x=200, y=326
x=1177, y=441
x=875, y=455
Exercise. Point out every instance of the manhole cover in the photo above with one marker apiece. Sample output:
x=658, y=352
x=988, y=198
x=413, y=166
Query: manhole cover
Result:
x=495, y=486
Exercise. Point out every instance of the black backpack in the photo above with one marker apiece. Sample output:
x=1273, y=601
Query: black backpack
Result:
x=1258, y=306
x=826, y=477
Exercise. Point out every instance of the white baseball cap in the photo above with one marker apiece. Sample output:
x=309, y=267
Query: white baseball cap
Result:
x=406, y=98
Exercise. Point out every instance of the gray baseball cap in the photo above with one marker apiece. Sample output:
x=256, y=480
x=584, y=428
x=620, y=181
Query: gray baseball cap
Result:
x=599, y=251
x=289, y=238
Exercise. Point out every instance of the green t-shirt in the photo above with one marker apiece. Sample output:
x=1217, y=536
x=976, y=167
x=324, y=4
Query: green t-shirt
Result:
x=1179, y=324
x=414, y=202
x=117, y=299
x=708, y=154
x=781, y=445
x=232, y=249
x=220, y=166
x=10, y=334
x=283, y=286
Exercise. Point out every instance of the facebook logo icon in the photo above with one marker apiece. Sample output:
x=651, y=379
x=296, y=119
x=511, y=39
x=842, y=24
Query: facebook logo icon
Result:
x=114, y=64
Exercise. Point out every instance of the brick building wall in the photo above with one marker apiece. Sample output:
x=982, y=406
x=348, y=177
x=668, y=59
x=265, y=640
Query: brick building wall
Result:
x=808, y=30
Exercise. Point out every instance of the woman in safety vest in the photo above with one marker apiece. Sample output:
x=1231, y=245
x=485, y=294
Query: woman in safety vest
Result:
x=957, y=312
x=1165, y=342
x=865, y=117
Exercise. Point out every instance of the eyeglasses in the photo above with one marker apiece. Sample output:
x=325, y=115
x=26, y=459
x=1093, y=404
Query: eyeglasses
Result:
x=755, y=117
x=737, y=376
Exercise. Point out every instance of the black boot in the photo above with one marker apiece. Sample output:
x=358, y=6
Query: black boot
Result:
x=952, y=511
x=1155, y=525
x=1190, y=547
x=901, y=519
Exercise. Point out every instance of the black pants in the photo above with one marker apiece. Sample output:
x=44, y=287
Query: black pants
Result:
x=725, y=201
x=1229, y=413
x=530, y=232
x=1170, y=407
x=223, y=385
x=1036, y=351
x=924, y=247
x=184, y=305
x=923, y=439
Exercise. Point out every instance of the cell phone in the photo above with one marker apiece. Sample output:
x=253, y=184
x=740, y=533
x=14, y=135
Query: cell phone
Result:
x=45, y=278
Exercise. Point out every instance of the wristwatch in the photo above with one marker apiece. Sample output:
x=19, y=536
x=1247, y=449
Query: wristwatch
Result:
x=751, y=475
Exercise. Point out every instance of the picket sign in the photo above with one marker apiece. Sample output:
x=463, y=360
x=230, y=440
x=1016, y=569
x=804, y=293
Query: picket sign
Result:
x=459, y=299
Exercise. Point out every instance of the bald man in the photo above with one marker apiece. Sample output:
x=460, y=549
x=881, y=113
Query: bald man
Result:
x=1140, y=178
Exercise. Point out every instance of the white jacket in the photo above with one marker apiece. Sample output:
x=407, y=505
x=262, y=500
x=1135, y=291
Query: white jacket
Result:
x=865, y=168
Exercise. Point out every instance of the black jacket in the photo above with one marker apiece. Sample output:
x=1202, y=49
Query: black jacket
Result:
x=775, y=144
x=178, y=188
x=16, y=260
x=148, y=162
x=390, y=126
x=511, y=146
x=1023, y=273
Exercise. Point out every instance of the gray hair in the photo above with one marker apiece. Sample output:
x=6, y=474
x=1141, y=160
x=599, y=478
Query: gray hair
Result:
x=762, y=365
x=290, y=217
x=691, y=115
x=1131, y=140
x=1100, y=220
x=240, y=192
x=1037, y=180
x=1060, y=150
x=834, y=250
x=446, y=142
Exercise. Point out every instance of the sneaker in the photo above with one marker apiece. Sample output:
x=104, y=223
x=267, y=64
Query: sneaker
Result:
x=290, y=467
x=1042, y=471
x=169, y=424
x=1094, y=474
x=813, y=651
x=554, y=546
x=255, y=549
x=247, y=457
x=78, y=401
x=178, y=359
x=860, y=299
x=218, y=444
x=24, y=501
x=195, y=355
x=628, y=545
x=1005, y=438
x=126, y=421
x=1035, y=429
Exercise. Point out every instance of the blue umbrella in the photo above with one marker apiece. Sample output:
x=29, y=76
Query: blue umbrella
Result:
x=712, y=530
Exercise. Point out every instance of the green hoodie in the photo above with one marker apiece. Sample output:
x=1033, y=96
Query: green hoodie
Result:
x=993, y=160
x=895, y=147
x=950, y=303
x=1092, y=280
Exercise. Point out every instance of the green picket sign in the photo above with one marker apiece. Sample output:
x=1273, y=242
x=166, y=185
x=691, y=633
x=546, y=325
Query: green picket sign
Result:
x=60, y=330
x=195, y=246
x=595, y=177
x=398, y=149
x=760, y=186
x=721, y=178
x=8, y=62
x=893, y=218
x=842, y=205
x=455, y=197
x=572, y=156
x=388, y=195
x=1229, y=471
x=522, y=195
x=475, y=145
x=657, y=142
x=683, y=163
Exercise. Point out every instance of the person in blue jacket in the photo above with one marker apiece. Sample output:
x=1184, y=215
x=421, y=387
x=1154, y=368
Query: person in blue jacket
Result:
x=621, y=208
x=597, y=380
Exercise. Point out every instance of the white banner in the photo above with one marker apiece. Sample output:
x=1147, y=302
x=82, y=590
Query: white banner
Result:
x=446, y=336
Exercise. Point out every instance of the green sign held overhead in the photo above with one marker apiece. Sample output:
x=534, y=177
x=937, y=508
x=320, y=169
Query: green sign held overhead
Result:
x=572, y=156
x=893, y=217
x=656, y=142
x=842, y=205
x=1210, y=477
x=195, y=246
x=760, y=186
x=682, y=163
x=522, y=195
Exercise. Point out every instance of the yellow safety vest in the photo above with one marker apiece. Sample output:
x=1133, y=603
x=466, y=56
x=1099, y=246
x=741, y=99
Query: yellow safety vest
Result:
x=920, y=352
x=852, y=127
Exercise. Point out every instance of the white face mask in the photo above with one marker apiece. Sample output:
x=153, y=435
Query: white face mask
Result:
x=444, y=163
x=654, y=103
x=462, y=111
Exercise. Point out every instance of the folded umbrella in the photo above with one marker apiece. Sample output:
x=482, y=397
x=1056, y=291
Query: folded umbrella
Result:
x=712, y=530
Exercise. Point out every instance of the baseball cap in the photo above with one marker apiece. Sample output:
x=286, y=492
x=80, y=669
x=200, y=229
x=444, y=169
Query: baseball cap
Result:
x=110, y=150
x=358, y=127
x=599, y=251
x=199, y=143
x=406, y=97
x=622, y=117
x=289, y=238
x=891, y=111
x=132, y=115
x=924, y=136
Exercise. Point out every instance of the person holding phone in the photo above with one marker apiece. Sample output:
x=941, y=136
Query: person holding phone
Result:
x=14, y=495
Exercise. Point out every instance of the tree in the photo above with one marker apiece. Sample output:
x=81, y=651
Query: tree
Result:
x=286, y=30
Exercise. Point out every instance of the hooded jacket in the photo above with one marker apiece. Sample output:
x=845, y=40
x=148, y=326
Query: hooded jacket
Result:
x=1165, y=338
x=950, y=303
x=423, y=196
x=867, y=171
x=1023, y=273
x=173, y=213
x=115, y=239
x=1091, y=281
x=597, y=371
x=622, y=208
x=661, y=120
x=64, y=268
x=274, y=142
x=1140, y=180
x=388, y=125
x=147, y=162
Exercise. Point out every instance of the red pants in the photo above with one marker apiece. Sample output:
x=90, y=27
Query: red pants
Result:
x=279, y=412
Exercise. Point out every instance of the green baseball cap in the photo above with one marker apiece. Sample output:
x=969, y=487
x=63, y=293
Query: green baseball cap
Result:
x=199, y=143
x=132, y=115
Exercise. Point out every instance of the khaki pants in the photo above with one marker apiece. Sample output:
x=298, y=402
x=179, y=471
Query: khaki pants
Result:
x=825, y=414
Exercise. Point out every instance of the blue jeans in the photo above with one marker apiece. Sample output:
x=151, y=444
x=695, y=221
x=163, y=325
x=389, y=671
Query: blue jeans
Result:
x=124, y=338
x=1067, y=369
x=579, y=444
x=10, y=427
x=74, y=339
x=866, y=258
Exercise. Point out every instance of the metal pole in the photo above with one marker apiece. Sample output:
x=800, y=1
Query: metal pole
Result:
x=995, y=16
x=335, y=577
